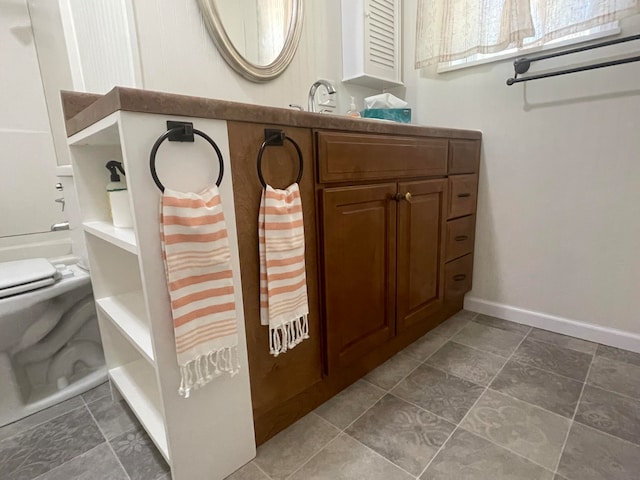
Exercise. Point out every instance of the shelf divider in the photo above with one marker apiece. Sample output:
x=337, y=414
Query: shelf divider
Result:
x=127, y=312
x=136, y=383
x=124, y=238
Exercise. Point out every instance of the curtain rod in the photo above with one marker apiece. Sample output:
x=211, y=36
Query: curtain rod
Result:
x=522, y=65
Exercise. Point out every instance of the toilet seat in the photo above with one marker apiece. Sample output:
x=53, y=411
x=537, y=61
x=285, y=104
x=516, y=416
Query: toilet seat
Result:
x=25, y=275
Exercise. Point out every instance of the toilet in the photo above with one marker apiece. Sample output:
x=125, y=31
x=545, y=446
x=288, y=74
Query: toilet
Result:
x=50, y=348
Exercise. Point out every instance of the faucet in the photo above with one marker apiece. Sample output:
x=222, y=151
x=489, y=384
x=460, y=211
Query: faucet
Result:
x=312, y=92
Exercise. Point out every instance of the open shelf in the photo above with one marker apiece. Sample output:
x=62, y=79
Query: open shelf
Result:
x=127, y=313
x=102, y=133
x=136, y=383
x=124, y=238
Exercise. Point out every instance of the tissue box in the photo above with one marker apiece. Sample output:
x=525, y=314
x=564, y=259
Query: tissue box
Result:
x=402, y=115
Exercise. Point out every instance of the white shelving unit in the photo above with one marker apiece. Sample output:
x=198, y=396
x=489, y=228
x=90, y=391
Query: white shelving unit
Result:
x=210, y=434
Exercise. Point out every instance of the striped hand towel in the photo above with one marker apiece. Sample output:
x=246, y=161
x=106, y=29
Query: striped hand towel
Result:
x=196, y=257
x=283, y=283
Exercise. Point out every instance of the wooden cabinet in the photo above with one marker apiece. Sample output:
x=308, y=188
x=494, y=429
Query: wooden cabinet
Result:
x=420, y=260
x=383, y=262
x=359, y=225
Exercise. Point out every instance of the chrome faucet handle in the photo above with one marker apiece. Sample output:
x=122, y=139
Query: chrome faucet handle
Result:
x=296, y=106
x=62, y=201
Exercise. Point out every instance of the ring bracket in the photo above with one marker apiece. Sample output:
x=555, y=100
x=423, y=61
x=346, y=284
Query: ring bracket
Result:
x=274, y=137
x=185, y=134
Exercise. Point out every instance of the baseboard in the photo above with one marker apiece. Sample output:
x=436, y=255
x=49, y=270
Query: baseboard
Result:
x=586, y=331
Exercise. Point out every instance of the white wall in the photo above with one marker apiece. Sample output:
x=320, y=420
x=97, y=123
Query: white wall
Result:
x=178, y=56
x=27, y=183
x=558, y=227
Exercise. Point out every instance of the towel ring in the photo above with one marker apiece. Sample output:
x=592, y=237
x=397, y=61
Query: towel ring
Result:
x=182, y=133
x=277, y=138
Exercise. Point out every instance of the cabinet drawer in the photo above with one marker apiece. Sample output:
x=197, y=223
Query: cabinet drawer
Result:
x=464, y=156
x=463, y=193
x=458, y=276
x=352, y=156
x=460, y=236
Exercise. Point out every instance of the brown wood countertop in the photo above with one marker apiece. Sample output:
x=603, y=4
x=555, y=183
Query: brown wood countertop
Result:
x=84, y=109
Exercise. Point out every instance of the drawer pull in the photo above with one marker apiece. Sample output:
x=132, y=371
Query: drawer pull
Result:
x=464, y=195
x=459, y=277
x=461, y=238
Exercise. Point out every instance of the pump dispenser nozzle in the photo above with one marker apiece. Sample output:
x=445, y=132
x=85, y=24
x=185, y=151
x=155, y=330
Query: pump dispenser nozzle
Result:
x=113, y=166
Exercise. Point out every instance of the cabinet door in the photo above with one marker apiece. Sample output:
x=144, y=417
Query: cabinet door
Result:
x=359, y=232
x=421, y=237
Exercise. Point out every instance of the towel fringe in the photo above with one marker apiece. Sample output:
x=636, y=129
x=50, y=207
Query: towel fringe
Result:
x=197, y=373
x=287, y=335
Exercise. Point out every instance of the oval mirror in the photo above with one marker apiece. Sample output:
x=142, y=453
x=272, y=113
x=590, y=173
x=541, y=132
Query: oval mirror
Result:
x=257, y=38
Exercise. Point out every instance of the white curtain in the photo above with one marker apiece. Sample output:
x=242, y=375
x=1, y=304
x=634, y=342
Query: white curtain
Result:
x=450, y=30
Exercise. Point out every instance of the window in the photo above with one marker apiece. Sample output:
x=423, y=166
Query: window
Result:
x=450, y=33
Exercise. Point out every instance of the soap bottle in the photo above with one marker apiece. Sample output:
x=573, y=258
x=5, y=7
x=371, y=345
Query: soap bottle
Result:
x=353, y=111
x=118, y=197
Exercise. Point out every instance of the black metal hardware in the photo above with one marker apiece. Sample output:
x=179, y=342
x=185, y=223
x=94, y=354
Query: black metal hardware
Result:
x=464, y=195
x=181, y=132
x=459, y=277
x=522, y=65
x=461, y=238
x=275, y=138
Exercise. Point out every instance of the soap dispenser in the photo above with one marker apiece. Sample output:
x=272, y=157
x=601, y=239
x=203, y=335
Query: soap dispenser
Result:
x=353, y=111
x=118, y=197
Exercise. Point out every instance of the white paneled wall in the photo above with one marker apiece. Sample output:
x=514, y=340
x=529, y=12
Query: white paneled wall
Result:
x=178, y=56
x=102, y=44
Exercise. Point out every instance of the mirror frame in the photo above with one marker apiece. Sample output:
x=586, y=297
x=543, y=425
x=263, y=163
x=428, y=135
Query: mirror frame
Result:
x=249, y=70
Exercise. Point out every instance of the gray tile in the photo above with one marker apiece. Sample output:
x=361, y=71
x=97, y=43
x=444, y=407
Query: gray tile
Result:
x=592, y=455
x=465, y=314
x=441, y=393
x=346, y=459
x=289, y=449
x=452, y=325
x=97, y=464
x=40, y=417
x=618, y=354
x=350, y=403
x=553, y=358
x=425, y=346
x=565, y=341
x=468, y=363
x=36, y=451
x=402, y=433
x=506, y=325
x=248, y=472
x=139, y=456
x=97, y=393
x=388, y=374
x=489, y=339
x=545, y=389
x=114, y=418
x=611, y=413
x=469, y=457
x=532, y=432
x=616, y=376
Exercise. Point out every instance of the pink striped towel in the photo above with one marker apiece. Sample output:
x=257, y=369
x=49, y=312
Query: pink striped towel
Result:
x=196, y=256
x=283, y=282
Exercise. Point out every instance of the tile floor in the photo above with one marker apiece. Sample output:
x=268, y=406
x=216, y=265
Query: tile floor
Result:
x=89, y=437
x=476, y=398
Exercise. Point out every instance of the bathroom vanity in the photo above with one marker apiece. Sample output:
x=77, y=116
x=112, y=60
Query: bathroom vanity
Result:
x=389, y=219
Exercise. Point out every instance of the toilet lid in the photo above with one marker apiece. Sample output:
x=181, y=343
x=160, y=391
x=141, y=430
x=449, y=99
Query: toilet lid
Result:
x=24, y=275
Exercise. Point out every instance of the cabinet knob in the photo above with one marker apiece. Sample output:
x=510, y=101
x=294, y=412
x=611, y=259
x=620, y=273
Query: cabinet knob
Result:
x=461, y=238
x=402, y=196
